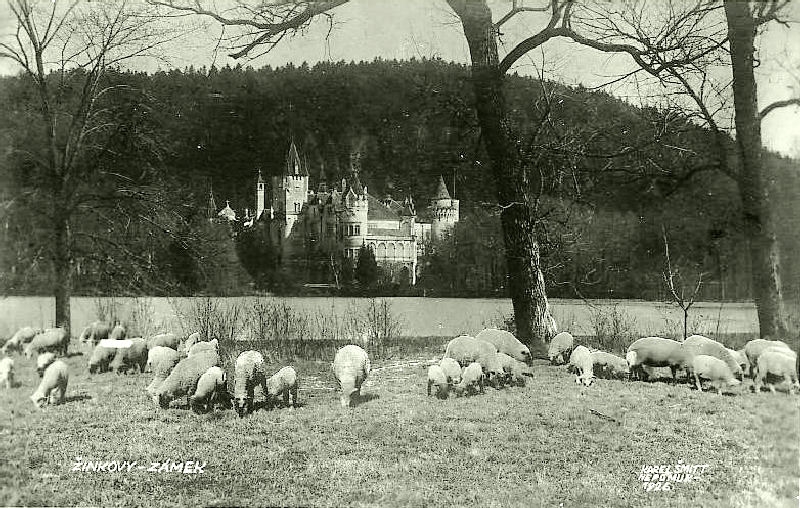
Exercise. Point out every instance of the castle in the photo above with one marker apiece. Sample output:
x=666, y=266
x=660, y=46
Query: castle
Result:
x=339, y=221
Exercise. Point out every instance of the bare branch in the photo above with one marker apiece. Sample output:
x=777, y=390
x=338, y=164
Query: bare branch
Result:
x=777, y=105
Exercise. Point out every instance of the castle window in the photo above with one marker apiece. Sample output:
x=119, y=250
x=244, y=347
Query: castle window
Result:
x=354, y=230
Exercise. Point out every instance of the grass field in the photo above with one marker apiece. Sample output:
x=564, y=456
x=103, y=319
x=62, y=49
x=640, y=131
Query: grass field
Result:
x=538, y=445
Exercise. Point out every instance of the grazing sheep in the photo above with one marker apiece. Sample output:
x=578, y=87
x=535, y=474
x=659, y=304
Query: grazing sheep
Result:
x=493, y=370
x=505, y=342
x=43, y=361
x=211, y=388
x=132, y=356
x=712, y=368
x=212, y=345
x=466, y=349
x=7, y=372
x=700, y=345
x=101, y=358
x=560, y=348
x=754, y=348
x=438, y=379
x=741, y=359
x=451, y=369
x=191, y=340
x=350, y=368
x=23, y=336
x=169, y=340
x=609, y=365
x=118, y=333
x=472, y=379
x=580, y=362
x=655, y=352
x=53, y=385
x=282, y=384
x=161, y=360
x=249, y=373
x=95, y=332
x=52, y=339
x=518, y=372
x=184, y=377
x=774, y=363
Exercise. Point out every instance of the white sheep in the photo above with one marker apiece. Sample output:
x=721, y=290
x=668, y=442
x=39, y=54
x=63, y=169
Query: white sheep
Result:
x=754, y=348
x=212, y=345
x=656, y=352
x=712, y=368
x=560, y=348
x=23, y=336
x=519, y=371
x=580, y=362
x=496, y=369
x=779, y=363
x=95, y=332
x=184, y=377
x=700, y=345
x=506, y=343
x=741, y=359
x=191, y=340
x=350, y=368
x=281, y=385
x=248, y=374
x=451, y=369
x=53, y=385
x=169, y=340
x=610, y=365
x=211, y=388
x=472, y=380
x=438, y=379
x=466, y=349
x=118, y=333
x=133, y=356
x=101, y=358
x=52, y=339
x=161, y=360
x=43, y=361
x=7, y=372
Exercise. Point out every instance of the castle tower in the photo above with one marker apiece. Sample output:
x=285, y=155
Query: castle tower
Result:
x=260, y=194
x=354, y=220
x=445, y=212
x=290, y=190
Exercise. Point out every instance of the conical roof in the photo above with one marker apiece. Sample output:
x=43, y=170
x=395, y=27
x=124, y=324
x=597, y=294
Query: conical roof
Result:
x=293, y=164
x=441, y=191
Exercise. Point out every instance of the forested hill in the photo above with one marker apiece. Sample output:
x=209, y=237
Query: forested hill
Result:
x=614, y=174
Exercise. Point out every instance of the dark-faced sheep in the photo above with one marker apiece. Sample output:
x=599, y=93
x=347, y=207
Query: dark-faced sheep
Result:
x=52, y=339
x=101, y=358
x=53, y=386
x=776, y=363
x=656, y=352
x=560, y=348
x=23, y=336
x=350, y=367
x=466, y=349
x=249, y=373
x=506, y=343
x=131, y=357
x=581, y=364
x=713, y=369
x=211, y=389
x=182, y=381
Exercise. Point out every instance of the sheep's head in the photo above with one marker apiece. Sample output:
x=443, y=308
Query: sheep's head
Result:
x=588, y=380
x=241, y=405
x=162, y=400
x=38, y=400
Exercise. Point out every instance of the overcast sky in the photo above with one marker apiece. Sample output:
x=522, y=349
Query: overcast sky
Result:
x=365, y=29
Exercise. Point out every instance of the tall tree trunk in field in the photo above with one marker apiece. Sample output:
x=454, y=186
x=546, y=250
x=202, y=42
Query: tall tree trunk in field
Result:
x=525, y=279
x=62, y=271
x=755, y=193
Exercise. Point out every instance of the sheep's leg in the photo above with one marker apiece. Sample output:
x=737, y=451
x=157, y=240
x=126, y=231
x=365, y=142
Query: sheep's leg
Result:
x=771, y=387
x=294, y=395
x=697, y=382
x=286, y=397
x=430, y=382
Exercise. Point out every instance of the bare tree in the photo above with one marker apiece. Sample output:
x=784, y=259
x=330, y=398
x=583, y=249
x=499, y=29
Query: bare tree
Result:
x=678, y=294
x=67, y=50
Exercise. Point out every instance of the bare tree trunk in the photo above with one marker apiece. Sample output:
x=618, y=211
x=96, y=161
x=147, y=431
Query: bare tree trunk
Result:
x=525, y=278
x=759, y=224
x=62, y=270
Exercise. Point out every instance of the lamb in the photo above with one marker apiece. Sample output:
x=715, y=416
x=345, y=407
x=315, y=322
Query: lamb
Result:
x=118, y=333
x=169, y=340
x=438, y=379
x=212, y=345
x=451, y=369
x=656, y=352
x=581, y=361
x=23, y=336
x=7, y=372
x=472, y=379
x=132, y=356
x=53, y=385
x=95, y=332
x=350, y=368
x=161, y=360
x=754, y=348
x=776, y=362
x=52, y=339
x=43, y=361
x=611, y=366
x=184, y=377
x=101, y=358
x=466, y=349
x=505, y=342
x=281, y=385
x=211, y=388
x=700, y=345
x=249, y=373
x=712, y=368
x=560, y=348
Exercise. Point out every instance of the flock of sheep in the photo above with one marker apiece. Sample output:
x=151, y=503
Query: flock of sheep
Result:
x=191, y=366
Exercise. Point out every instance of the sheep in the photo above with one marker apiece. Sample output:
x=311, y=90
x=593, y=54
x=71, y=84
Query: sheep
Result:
x=101, y=358
x=700, y=345
x=55, y=339
x=451, y=369
x=505, y=342
x=184, y=377
x=581, y=362
x=776, y=362
x=211, y=388
x=466, y=349
x=95, y=332
x=711, y=368
x=23, y=336
x=249, y=373
x=191, y=340
x=740, y=358
x=169, y=340
x=53, y=385
x=610, y=365
x=281, y=385
x=754, y=348
x=560, y=348
x=518, y=372
x=43, y=361
x=438, y=379
x=134, y=356
x=350, y=368
x=656, y=352
x=161, y=361
x=118, y=333
x=472, y=380
x=7, y=372
x=203, y=346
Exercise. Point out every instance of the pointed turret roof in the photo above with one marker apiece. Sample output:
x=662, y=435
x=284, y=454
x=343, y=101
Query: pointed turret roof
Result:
x=212, y=205
x=293, y=164
x=441, y=191
x=260, y=178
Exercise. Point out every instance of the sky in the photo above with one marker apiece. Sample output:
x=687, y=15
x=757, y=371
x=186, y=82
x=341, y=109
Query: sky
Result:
x=391, y=29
